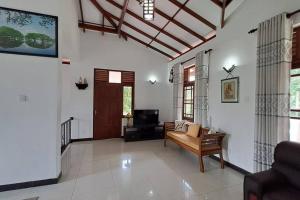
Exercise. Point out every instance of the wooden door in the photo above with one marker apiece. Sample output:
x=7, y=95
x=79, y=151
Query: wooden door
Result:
x=108, y=98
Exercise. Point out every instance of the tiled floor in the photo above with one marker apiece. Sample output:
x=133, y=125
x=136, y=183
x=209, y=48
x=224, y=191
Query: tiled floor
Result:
x=114, y=170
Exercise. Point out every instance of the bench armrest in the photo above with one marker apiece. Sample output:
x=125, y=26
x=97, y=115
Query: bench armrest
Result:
x=169, y=126
x=218, y=137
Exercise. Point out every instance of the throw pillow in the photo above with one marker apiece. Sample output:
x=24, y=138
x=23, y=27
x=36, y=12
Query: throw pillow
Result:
x=180, y=126
x=193, y=130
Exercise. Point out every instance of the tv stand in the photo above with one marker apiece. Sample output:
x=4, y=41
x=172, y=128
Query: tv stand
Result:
x=143, y=132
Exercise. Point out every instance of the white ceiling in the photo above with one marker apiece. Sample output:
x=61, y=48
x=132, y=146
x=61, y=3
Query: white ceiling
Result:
x=205, y=8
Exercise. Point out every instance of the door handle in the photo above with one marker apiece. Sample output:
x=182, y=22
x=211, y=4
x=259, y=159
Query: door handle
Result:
x=95, y=112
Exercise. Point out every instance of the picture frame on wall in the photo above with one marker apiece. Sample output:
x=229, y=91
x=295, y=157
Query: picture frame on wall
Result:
x=28, y=33
x=230, y=90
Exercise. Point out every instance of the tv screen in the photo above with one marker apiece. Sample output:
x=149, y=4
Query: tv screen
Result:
x=145, y=117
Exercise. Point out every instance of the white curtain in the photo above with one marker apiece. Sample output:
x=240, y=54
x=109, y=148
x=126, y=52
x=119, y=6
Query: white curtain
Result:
x=201, y=89
x=274, y=54
x=177, y=91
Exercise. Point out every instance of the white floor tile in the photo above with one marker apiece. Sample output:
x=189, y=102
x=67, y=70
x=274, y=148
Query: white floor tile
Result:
x=115, y=170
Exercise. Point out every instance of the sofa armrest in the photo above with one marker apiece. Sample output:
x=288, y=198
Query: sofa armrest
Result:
x=257, y=184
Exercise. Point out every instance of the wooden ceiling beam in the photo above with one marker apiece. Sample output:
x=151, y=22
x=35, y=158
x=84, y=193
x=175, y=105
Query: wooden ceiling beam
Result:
x=81, y=12
x=174, y=21
x=104, y=12
x=212, y=37
x=195, y=15
x=151, y=24
x=124, y=9
x=103, y=23
x=168, y=22
x=98, y=27
x=146, y=34
x=94, y=27
x=223, y=14
x=154, y=48
x=220, y=3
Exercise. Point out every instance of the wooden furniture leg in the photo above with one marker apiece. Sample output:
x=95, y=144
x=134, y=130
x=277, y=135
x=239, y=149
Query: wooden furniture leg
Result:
x=222, y=160
x=165, y=142
x=201, y=164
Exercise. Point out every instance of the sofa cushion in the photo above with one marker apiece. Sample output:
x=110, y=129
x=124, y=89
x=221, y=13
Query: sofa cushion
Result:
x=180, y=126
x=286, y=193
x=193, y=130
x=185, y=139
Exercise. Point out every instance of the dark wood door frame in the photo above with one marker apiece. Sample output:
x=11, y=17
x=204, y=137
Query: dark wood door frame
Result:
x=123, y=84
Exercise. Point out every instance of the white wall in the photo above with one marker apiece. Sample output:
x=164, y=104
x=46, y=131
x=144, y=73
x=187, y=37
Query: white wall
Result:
x=233, y=45
x=30, y=138
x=110, y=52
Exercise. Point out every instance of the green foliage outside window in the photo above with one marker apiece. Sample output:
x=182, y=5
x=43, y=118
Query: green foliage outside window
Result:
x=127, y=100
x=295, y=92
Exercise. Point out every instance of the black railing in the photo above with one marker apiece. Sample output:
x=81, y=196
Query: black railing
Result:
x=66, y=134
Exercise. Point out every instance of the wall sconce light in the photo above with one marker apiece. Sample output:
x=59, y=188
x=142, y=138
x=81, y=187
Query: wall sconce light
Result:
x=152, y=80
x=229, y=70
x=171, y=76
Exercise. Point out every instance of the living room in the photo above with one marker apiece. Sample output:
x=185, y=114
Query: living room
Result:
x=39, y=94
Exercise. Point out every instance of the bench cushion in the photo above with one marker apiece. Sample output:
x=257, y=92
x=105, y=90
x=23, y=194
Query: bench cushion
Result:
x=185, y=139
x=193, y=130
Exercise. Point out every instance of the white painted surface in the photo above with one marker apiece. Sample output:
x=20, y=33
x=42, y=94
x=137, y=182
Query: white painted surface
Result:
x=233, y=45
x=29, y=127
x=110, y=52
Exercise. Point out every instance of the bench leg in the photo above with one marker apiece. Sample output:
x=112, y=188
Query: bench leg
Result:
x=222, y=160
x=201, y=164
x=165, y=142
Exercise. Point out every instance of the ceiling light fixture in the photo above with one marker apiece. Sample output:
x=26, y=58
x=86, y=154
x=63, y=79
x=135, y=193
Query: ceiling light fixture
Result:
x=148, y=9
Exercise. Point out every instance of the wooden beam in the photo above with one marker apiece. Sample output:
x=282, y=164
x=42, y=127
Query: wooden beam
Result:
x=191, y=12
x=98, y=27
x=174, y=21
x=145, y=34
x=124, y=9
x=168, y=22
x=154, y=48
x=95, y=27
x=198, y=45
x=150, y=24
x=81, y=12
x=220, y=3
x=103, y=22
x=104, y=12
x=223, y=14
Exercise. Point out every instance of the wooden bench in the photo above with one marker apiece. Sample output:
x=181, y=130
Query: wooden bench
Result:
x=204, y=145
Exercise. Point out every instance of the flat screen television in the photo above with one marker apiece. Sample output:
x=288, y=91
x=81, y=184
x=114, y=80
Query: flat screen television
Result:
x=145, y=117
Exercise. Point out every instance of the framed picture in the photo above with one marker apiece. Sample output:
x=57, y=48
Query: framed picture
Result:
x=28, y=33
x=230, y=90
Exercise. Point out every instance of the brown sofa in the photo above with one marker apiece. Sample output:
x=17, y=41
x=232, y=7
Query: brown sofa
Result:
x=203, y=145
x=282, y=181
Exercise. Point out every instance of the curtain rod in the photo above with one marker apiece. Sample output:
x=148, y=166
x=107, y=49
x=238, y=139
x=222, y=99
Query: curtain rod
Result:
x=288, y=16
x=207, y=51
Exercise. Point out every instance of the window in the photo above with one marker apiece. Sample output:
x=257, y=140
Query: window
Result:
x=295, y=89
x=114, y=77
x=188, y=93
x=127, y=100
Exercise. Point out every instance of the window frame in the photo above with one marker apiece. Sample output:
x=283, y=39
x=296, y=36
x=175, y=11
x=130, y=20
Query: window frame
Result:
x=132, y=95
x=187, y=83
x=295, y=42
